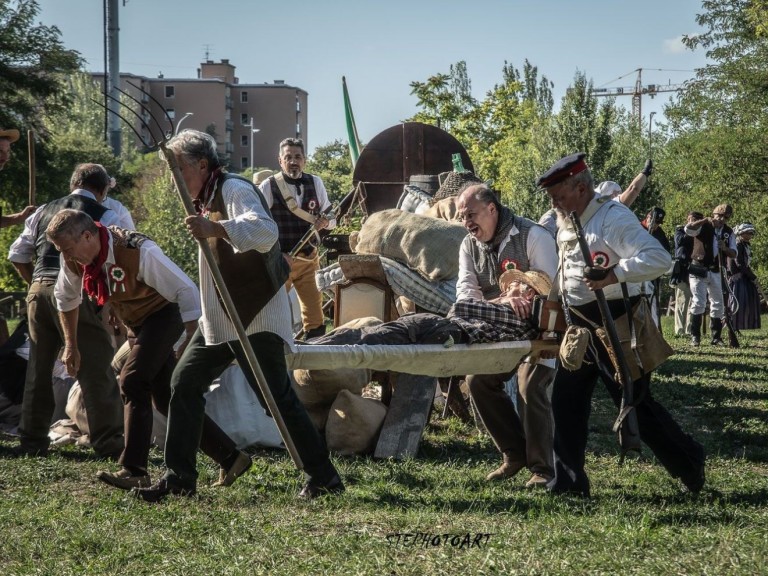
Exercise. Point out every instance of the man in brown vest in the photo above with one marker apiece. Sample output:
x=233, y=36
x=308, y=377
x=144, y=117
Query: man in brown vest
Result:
x=157, y=302
x=235, y=221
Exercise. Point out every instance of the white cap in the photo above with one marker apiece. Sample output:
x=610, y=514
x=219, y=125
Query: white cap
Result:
x=609, y=189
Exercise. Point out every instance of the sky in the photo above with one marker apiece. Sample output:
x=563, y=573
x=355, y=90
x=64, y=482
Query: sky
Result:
x=383, y=46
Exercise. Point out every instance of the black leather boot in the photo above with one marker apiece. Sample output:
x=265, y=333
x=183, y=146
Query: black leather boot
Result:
x=696, y=329
x=717, y=330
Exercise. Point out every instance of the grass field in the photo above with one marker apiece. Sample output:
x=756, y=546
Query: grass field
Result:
x=56, y=518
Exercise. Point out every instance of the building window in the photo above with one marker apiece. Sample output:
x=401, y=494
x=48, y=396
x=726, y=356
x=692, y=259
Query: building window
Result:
x=243, y=162
x=170, y=91
x=298, y=106
x=171, y=113
x=244, y=119
x=298, y=130
x=244, y=97
x=243, y=140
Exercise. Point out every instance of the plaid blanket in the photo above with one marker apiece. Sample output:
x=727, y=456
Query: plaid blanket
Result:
x=487, y=322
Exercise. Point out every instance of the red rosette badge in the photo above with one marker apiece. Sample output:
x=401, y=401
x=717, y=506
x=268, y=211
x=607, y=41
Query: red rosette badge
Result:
x=509, y=264
x=117, y=279
x=600, y=259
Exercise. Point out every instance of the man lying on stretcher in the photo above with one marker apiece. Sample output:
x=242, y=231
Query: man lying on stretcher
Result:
x=469, y=321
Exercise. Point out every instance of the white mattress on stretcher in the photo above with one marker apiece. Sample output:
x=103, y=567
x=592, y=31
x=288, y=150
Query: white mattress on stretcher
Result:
x=420, y=359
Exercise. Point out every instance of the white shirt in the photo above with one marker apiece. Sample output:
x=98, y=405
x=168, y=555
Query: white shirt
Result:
x=250, y=227
x=155, y=270
x=125, y=219
x=322, y=196
x=541, y=251
x=23, y=248
x=616, y=239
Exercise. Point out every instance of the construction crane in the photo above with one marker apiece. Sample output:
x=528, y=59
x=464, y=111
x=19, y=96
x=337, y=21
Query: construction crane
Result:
x=637, y=92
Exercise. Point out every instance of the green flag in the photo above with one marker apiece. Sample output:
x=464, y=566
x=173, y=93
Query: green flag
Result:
x=354, y=141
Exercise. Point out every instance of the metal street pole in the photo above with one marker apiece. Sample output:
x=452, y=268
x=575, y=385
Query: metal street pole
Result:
x=187, y=115
x=253, y=131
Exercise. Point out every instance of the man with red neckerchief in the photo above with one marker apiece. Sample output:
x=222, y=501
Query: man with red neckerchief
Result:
x=157, y=302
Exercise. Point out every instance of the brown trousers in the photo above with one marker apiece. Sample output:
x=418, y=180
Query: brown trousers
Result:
x=529, y=436
x=303, y=278
x=146, y=378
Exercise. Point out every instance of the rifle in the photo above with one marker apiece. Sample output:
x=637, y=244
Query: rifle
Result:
x=733, y=341
x=626, y=424
x=329, y=215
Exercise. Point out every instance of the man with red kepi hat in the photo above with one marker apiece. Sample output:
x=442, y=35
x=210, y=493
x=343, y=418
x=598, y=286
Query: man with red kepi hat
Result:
x=624, y=255
x=157, y=302
x=8, y=137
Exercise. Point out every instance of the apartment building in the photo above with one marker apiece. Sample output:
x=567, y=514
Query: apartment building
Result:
x=247, y=120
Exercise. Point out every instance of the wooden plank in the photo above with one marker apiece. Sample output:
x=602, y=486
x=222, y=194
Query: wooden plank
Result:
x=407, y=417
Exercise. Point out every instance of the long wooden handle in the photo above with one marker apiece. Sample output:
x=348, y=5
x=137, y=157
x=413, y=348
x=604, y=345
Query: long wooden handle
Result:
x=229, y=307
x=31, y=147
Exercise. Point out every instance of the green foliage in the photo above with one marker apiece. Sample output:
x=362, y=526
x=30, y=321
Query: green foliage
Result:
x=33, y=65
x=159, y=213
x=333, y=165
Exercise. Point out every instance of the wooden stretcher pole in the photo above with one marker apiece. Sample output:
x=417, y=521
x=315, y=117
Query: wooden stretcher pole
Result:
x=31, y=148
x=229, y=307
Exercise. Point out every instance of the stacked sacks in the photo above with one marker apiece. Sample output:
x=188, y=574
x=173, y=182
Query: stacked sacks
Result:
x=333, y=399
x=420, y=242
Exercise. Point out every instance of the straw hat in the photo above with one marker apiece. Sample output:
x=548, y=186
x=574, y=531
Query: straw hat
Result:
x=260, y=176
x=536, y=279
x=11, y=134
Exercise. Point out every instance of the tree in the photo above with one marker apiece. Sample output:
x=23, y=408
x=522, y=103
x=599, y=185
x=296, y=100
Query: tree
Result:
x=445, y=98
x=720, y=121
x=33, y=64
x=333, y=165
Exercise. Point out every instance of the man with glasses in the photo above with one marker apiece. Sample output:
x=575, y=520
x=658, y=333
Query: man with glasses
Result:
x=713, y=241
x=298, y=201
x=497, y=241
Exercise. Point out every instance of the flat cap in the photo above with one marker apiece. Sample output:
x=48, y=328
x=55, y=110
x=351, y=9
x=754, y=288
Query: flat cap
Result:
x=11, y=134
x=562, y=169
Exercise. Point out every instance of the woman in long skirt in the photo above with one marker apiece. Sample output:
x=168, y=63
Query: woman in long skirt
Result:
x=742, y=281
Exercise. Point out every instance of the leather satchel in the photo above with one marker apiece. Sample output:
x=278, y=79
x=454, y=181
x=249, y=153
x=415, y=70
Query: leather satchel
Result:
x=651, y=350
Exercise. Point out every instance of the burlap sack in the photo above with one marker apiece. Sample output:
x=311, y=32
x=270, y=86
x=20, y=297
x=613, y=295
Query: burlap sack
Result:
x=354, y=424
x=444, y=209
x=319, y=388
x=428, y=245
x=76, y=409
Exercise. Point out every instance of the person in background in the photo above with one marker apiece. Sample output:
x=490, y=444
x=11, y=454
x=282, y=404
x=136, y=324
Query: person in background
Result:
x=713, y=241
x=298, y=202
x=625, y=256
x=8, y=137
x=680, y=277
x=497, y=240
x=37, y=262
x=743, y=281
x=234, y=219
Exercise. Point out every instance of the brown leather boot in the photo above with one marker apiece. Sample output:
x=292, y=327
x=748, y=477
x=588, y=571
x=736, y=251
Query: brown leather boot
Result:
x=510, y=466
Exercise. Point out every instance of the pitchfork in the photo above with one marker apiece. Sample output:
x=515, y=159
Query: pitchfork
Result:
x=186, y=200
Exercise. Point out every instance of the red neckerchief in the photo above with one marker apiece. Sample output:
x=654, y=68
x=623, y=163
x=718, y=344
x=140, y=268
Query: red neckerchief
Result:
x=94, y=277
x=204, y=200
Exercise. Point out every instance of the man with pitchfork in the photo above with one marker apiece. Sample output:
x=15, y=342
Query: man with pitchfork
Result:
x=233, y=218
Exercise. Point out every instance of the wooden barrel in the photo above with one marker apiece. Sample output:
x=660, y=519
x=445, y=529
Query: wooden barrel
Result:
x=427, y=182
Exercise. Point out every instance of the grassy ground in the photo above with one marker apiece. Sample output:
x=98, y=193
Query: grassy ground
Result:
x=56, y=518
